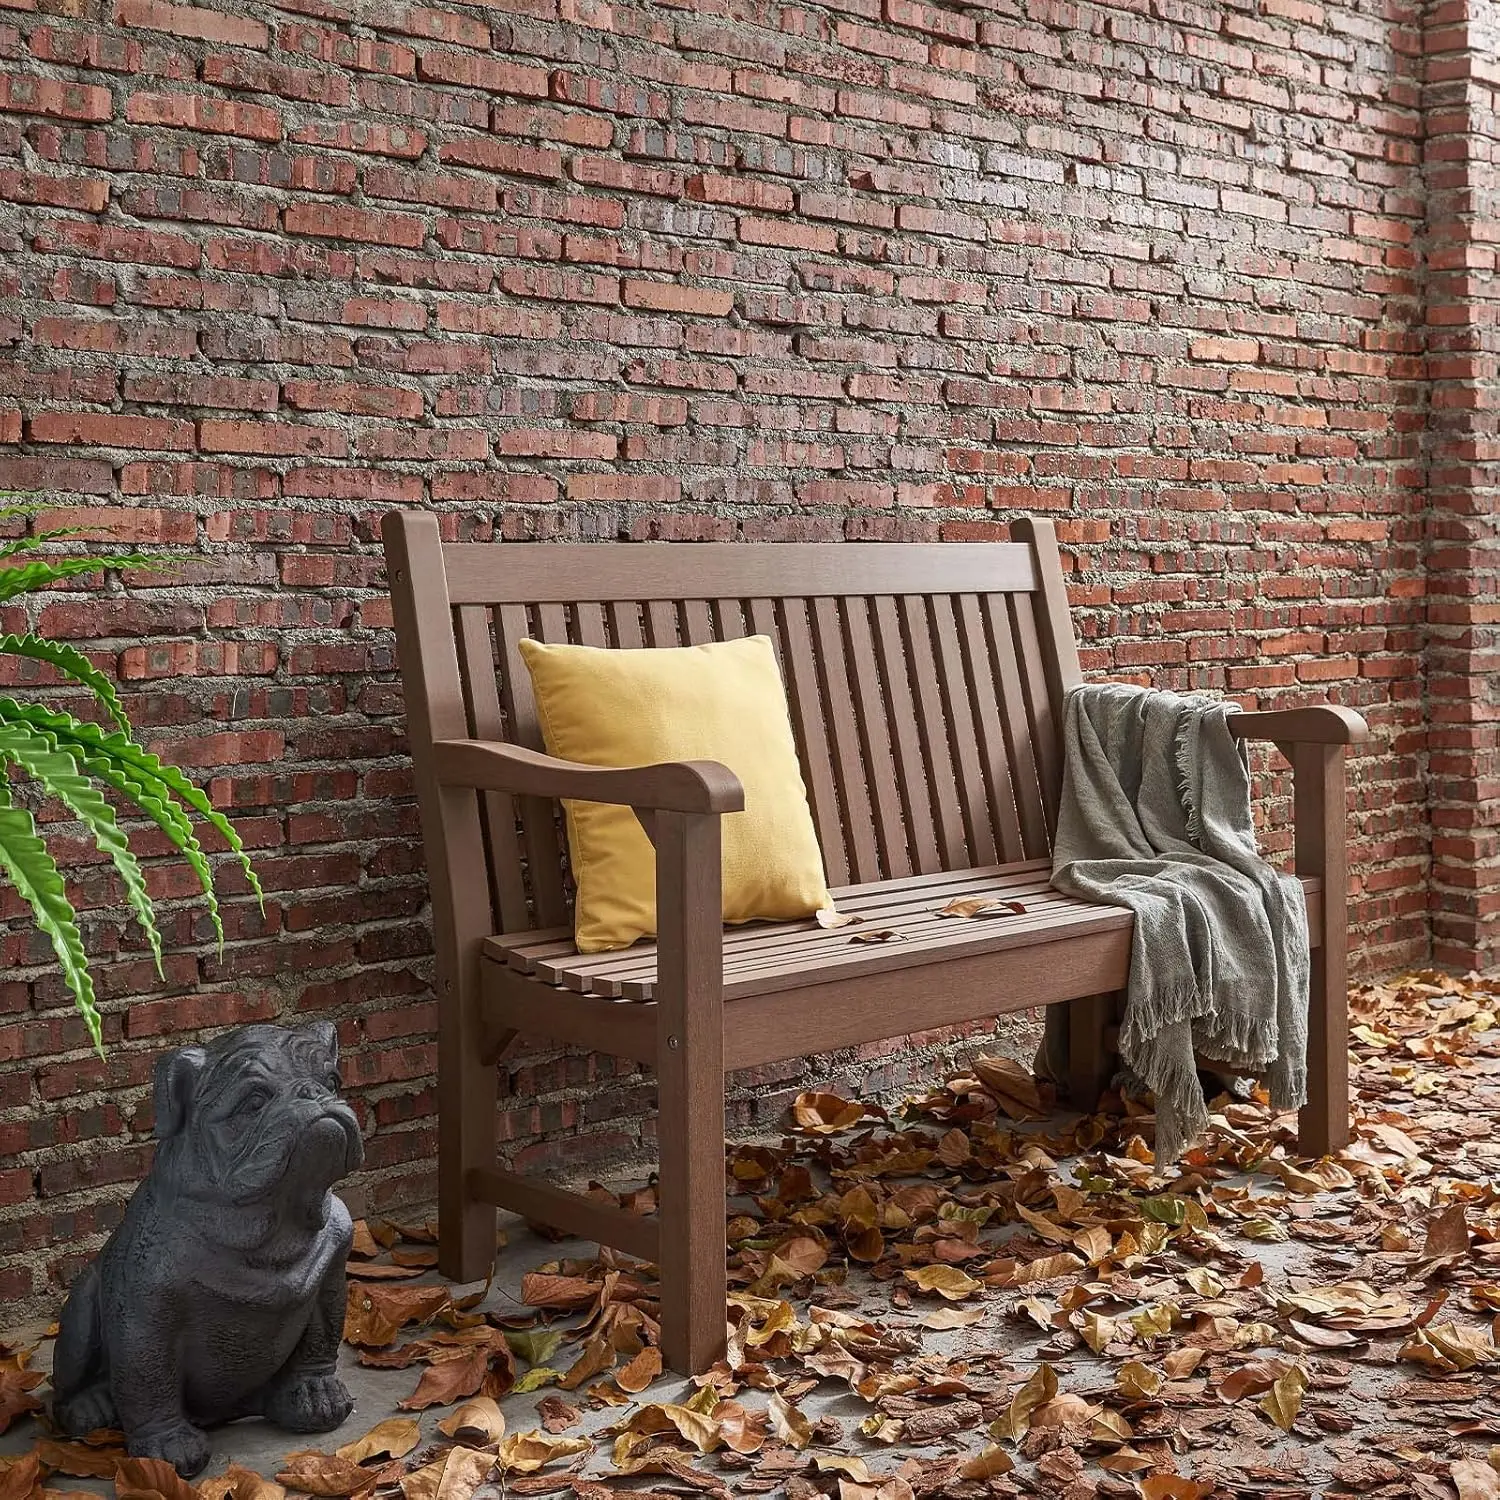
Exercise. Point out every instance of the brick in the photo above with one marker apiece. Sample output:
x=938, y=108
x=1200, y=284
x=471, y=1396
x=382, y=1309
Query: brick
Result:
x=192, y=21
x=46, y=96
x=490, y=73
x=330, y=221
x=110, y=430
x=665, y=296
x=199, y=112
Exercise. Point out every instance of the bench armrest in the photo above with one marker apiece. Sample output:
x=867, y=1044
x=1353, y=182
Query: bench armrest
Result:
x=1319, y=724
x=688, y=786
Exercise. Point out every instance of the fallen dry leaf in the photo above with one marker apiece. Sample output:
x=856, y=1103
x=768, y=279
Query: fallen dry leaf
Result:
x=238, y=1483
x=526, y=1452
x=830, y=919
x=946, y=1281
x=477, y=1423
x=825, y=1114
x=1474, y=1479
x=16, y=1385
x=393, y=1438
x=454, y=1476
x=317, y=1473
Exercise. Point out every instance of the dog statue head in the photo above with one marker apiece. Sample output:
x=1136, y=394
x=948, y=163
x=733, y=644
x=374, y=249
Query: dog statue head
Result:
x=253, y=1121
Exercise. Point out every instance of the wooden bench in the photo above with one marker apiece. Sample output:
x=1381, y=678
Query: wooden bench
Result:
x=926, y=684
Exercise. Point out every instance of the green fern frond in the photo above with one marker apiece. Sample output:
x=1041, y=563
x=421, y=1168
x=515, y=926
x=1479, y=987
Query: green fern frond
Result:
x=144, y=792
x=37, y=538
x=34, y=873
x=39, y=575
x=70, y=663
x=58, y=774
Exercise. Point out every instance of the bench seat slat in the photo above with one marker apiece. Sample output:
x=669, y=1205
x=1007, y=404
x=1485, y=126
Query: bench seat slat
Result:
x=774, y=956
x=524, y=948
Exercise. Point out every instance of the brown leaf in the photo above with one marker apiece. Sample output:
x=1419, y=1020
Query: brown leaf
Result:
x=381, y=1270
x=525, y=1452
x=454, y=1476
x=1447, y=1234
x=980, y=906
x=640, y=1371
x=16, y=1385
x=829, y=919
x=374, y=1315
x=988, y=1464
x=825, y=1114
x=149, y=1477
x=478, y=1423
x=946, y=1281
x=1012, y=1085
x=393, y=1438
x=20, y=1476
x=1284, y=1400
x=542, y=1289
x=1251, y=1379
x=317, y=1473
x=452, y=1380
x=80, y=1459
x=1474, y=1480
x=237, y=1483
x=878, y=935
x=1173, y=1487
x=787, y=1422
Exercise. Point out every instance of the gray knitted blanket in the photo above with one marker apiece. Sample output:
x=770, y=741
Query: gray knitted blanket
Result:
x=1156, y=816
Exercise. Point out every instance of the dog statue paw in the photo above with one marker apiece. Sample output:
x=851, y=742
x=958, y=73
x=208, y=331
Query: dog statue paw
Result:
x=221, y=1293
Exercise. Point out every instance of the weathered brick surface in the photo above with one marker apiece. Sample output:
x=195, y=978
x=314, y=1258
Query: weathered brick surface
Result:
x=1463, y=557
x=656, y=269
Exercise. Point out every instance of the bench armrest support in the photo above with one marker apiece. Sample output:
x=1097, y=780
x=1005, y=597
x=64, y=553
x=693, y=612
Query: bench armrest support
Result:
x=1318, y=724
x=689, y=786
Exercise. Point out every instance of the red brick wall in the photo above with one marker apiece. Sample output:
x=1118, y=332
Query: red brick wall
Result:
x=566, y=268
x=1463, y=557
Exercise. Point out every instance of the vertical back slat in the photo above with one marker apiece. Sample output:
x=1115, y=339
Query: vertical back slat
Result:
x=761, y=617
x=994, y=756
x=729, y=620
x=591, y=626
x=901, y=715
x=799, y=663
x=843, y=731
x=963, y=734
x=661, y=623
x=1017, y=726
x=922, y=673
x=538, y=818
x=552, y=624
x=625, y=624
x=1057, y=649
x=875, y=737
x=1038, y=701
x=476, y=657
x=697, y=622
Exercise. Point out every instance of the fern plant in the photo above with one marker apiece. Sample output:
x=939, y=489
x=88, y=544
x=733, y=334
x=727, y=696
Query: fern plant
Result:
x=76, y=761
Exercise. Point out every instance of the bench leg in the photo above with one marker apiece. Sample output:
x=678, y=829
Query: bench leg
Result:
x=690, y=1083
x=467, y=1091
x=1321, y=812
x=1090, y=1062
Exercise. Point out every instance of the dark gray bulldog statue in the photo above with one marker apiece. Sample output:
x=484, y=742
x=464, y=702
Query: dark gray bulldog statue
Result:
x=221, y=1293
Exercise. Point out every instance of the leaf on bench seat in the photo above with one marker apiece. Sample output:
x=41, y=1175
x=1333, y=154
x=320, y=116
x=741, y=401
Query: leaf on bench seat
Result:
x=980, y=906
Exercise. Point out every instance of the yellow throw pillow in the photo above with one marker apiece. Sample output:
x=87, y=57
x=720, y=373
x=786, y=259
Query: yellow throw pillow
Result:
x=723, y=702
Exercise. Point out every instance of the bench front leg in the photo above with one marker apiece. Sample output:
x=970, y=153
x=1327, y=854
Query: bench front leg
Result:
x=690, y=1084
x=1320, y=809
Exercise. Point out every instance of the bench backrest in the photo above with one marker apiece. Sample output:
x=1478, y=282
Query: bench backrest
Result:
x=925, y=681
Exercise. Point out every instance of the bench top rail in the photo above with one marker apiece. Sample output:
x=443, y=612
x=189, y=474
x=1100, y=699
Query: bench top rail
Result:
x=925, y=681
x=568, y=573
